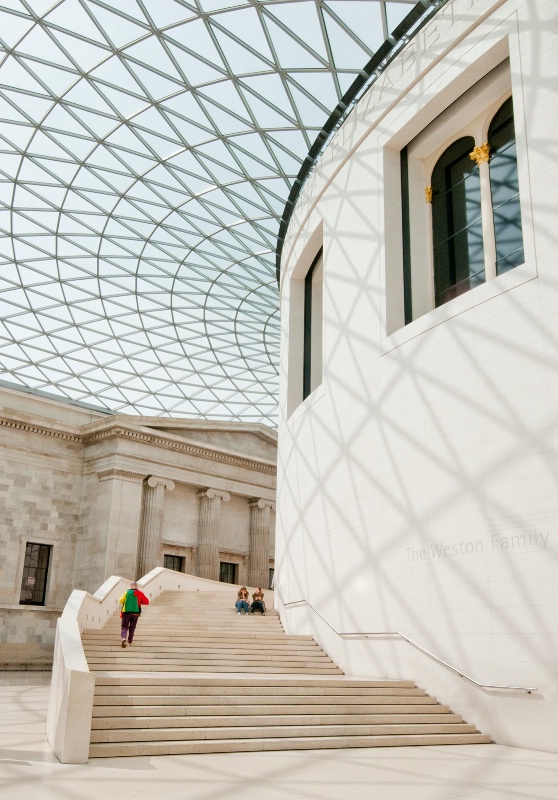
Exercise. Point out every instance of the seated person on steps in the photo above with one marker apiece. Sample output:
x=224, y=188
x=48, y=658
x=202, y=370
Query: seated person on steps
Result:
x=258, y=601
x=242, y=603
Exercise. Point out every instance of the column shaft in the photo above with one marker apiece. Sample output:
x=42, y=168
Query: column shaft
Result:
x=208, y=533
x=149, y=550
x=258, y=564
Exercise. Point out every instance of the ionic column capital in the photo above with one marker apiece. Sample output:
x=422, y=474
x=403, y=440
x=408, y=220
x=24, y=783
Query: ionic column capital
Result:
x=212, y=494
x=153, y=481
x=261, y=503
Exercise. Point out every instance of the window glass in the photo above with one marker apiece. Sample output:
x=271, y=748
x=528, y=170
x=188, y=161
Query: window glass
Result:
x=227, y=572
x=174, y=562
x=504, y=186
x=313, y=322
x=456, y=222
x=35, y=573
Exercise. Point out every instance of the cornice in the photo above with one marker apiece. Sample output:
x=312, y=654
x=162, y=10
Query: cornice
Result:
x=121, y=432
x=42, y=430
x=159, y=440
x=125, y=474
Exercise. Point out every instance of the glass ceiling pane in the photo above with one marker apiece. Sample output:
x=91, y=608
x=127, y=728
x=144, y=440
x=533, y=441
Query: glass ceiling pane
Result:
x=154, y=146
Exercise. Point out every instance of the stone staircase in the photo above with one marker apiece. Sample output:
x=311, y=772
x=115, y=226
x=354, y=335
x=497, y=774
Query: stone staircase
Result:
x=201, y=679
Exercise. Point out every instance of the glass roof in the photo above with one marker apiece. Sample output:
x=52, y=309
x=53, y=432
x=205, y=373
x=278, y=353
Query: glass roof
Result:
x=147, y=148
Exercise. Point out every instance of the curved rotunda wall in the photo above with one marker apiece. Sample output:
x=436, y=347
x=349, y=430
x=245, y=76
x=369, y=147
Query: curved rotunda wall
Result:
x=417, y=481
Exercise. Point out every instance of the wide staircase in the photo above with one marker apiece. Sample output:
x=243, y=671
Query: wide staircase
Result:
x=201, y=679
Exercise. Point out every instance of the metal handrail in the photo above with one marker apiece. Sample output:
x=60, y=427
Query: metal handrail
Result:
x=368, y=634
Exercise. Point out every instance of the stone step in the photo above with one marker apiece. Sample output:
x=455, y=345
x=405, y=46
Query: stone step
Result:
x=161, y=635
x=114, y=749
x=315, y=685
x=134, y=653
x=247, y=658
x=200, y=708
x=186, y=642
x=176, y=699
x=228, y=648
x=240, y=720
x=251, y=690
x=200, y=678
x=177, y=666
x=283, y=731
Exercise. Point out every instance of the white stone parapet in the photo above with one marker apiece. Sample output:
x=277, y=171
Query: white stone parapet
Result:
x=72, y=687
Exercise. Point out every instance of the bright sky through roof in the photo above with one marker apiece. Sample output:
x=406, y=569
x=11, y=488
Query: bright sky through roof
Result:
x=146, y=153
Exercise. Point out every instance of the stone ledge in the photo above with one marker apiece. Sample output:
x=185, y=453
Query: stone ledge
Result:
x=26, y=657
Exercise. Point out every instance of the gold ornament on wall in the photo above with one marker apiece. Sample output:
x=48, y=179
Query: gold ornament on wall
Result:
x=428, y=194
x=480, y=154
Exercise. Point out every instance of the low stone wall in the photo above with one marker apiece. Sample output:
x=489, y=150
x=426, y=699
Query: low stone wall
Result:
x=23, y=624
x=27, y=637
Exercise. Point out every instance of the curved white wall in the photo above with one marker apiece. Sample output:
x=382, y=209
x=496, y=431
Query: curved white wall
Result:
x=418, y=483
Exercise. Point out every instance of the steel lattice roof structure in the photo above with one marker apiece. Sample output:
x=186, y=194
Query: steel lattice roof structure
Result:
x=147, y=148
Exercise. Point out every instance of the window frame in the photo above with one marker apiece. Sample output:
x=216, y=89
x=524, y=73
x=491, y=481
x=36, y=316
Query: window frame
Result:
x=49, y=548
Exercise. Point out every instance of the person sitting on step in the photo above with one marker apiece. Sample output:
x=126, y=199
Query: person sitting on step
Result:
x=242, y=603
x=258, y=602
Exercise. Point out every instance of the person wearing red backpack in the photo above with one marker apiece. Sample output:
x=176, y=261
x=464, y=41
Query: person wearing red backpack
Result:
x=131, y=601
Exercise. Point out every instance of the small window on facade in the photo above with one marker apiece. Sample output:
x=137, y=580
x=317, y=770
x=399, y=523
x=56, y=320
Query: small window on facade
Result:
x=174, y=562
x=228, y=572
x=504, y=187
x=271, y=574
x=35, y=573
x=456, y=222
x=313, y=322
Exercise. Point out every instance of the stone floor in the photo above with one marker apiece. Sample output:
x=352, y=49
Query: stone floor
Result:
x=28, y=770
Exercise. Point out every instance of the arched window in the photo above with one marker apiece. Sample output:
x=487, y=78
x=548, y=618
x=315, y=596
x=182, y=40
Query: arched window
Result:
x=504, y=186
x=456, y=222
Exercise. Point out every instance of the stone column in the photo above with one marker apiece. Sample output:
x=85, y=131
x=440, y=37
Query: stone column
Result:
x=118, y=518
x=149, y=550
x=258, y=565
x=208, y=532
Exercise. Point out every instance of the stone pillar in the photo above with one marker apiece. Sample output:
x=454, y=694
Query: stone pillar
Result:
x=258, y=565
x=114, y=534
x=149, y=549
x=208, y=532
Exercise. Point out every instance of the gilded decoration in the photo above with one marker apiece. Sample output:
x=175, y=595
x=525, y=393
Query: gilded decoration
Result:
x=480, y=154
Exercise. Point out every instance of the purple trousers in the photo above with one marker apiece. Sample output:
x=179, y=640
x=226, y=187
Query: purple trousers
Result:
x=129, y=622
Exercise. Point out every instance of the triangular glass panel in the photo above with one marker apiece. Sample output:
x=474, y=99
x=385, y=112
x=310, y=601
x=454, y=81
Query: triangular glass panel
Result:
x=363, y=19
x=292, y=54
x=157, y=86
x=302, y=19
x=346, y=51
x=195, y=37
x=119, y=31
x=240, y=61
x=71, y=15
x=85, y=54
x=195, y=70
x=14, y=75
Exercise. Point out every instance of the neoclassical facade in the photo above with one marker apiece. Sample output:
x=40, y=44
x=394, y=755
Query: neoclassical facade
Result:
x=87, y=495
x=418, y=438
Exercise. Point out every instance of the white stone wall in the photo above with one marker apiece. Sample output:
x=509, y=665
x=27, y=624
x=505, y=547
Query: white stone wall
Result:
x=418, y=484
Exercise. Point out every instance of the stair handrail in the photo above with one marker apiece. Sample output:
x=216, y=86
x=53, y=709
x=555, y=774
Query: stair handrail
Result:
x=368, y=634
